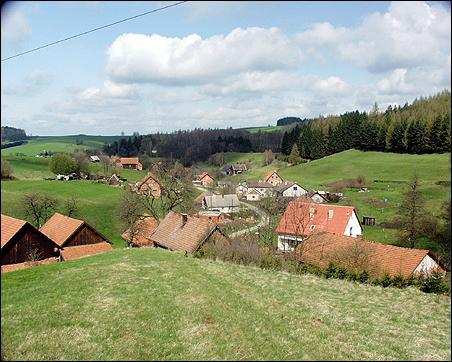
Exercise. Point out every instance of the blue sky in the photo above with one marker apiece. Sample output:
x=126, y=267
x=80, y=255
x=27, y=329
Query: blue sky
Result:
x=215, y=64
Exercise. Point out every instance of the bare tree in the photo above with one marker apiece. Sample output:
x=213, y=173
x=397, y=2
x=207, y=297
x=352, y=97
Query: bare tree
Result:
x=34, y=255
x=38, y=207
x=269, y=157
x=71, y=206
x=131, y=211
x=411, y=213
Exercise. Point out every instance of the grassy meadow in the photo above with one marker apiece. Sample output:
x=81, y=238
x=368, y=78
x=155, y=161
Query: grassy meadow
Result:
x=151, y=304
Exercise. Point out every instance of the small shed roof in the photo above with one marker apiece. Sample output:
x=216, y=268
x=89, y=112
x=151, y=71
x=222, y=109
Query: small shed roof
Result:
x=269, y=174
x=10, y=226
x=149, y=176
x=128, y=160
x=79, y=251
x=259, y=185
x=230, y=200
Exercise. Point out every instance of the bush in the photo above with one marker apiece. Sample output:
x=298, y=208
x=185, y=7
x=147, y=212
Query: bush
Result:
x=7, y=171
x=434, y=283
x=63, y=164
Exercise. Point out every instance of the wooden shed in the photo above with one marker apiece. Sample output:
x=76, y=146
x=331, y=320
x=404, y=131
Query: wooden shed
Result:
x=68, y=232
x=22, y=242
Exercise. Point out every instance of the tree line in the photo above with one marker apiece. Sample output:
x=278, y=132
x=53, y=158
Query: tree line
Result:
x=196, y=145
x=422, y=127
x=12, y=134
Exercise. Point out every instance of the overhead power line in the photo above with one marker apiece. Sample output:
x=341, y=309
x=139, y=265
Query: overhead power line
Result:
x=92, y=30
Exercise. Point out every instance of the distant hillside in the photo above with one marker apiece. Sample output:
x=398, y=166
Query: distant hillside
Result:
x=152, y=304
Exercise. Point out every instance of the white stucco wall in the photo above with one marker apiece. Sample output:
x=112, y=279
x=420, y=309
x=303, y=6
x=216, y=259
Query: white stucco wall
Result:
x=283, y=242
x=291, y=192
x=353, y=223
x=426, y=266
x=252, y=197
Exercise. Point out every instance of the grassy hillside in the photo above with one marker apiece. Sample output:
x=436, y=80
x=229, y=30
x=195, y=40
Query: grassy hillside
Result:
x=145, y=304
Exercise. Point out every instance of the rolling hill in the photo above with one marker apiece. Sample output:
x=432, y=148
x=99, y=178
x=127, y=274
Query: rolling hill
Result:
x=151, y=304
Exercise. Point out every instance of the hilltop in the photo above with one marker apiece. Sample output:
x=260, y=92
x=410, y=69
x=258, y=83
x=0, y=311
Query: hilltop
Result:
x=147, y=304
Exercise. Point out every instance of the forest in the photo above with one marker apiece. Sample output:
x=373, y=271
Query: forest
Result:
x=420, y=127
x=12, y=134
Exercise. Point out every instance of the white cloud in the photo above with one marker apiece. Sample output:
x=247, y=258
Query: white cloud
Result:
x=139, y=58
x=14, y=26
x=409, y=34
x=32, y=84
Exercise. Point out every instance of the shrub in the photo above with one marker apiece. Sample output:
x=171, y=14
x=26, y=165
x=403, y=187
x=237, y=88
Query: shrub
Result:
x=62, y=164
x=7, y=171
x=433, y=283
x=384, y=281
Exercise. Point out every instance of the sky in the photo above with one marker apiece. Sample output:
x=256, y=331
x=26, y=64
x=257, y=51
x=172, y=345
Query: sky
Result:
x=215, y=64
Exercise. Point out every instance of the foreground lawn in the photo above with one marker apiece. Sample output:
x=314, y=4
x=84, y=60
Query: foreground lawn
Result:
x=145, y=304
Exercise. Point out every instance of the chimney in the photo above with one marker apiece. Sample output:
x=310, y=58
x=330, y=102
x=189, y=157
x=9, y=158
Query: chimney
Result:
x=184, y=219
x=311, y=213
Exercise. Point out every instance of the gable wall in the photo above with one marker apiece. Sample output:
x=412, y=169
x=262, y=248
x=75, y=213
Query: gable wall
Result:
x=84, y=236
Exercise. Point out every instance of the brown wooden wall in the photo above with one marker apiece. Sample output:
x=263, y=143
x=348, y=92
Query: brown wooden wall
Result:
x=85, y=235
x=152, y=186
x=25, y=243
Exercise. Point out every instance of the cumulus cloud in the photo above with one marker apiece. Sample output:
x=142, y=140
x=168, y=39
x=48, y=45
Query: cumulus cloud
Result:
x=33, y=83
x=140, y=58
x=409, y=34
x=14, y=26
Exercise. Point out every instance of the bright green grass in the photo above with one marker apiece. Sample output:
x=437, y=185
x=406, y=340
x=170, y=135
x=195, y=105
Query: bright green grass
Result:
x=265, y=129
x=98, y=203
x=151, y=304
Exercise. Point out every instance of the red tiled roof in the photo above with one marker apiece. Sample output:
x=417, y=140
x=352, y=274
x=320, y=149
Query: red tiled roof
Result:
x=128, y=160
x=204, y=174
x=145, y=228
x=10, y=227
x=174, y=235
x=304, y=218
x=60, y=227
x=322, y=248
x=80, y=251
x=150, y=175
x=27, y=264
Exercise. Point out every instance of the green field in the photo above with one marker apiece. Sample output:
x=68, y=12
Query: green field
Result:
x=266, y=129
x=152, y=304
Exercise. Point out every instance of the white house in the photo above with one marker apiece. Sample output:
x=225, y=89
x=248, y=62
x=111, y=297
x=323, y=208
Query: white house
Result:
x=223, y=203
x=94, y=158
x=264, y=188
x=302, y=219
x=291, y=189
x=253, y=195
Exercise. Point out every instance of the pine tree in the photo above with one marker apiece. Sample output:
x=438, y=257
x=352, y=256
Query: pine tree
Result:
x=436, y=136
x=397, y=137
x=294, y=157
x=417, y=138
x=285, y=146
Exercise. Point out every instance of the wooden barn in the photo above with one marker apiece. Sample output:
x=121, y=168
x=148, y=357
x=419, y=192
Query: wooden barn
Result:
x=74, y=235
x=129, y=162
x=150, y=184
x=22, y=242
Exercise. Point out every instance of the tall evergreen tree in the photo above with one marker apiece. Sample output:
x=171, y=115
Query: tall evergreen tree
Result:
x=417, y=138
x=285, y=144
x=397, y=137
x=294, y=157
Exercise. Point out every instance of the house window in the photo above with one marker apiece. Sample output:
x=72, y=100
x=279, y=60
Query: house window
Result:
x=330, y=214
x=351, y=230
x=295, y=188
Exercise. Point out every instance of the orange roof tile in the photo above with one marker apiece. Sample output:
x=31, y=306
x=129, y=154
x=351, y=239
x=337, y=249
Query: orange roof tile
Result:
x=60, y=227
x=322, y=248
x=80, y=251
x=304, y=218
x=204, y=174
x=268, y=174
x=150, y=175
x=27, y=264
x=173, y=234
x=145, y=228
x=128, y=160
x=10, y=227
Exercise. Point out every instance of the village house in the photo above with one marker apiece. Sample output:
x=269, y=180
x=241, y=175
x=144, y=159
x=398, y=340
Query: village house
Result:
x=303, y=219
x=75, y=237
x=257, y=190
x=241, y=189
x=316, y=197
x=223, y=203
x=233, y=169
x=273, y=178
x=149, y=184
x=132, y=163
x=94, y=158
x=290, y=189
x=358, y=254
x=182, y=232
x=114, y=180
x=22, y=242
x=204, y=179
x=141, y=233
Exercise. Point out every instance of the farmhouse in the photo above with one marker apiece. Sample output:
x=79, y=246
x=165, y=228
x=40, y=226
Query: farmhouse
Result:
x=222, y=203
x=114, y=180
x=204, y=179
x=143, y=230
x=316, y=197
x=359, y=254
x=290, y=189
x=149, y=184
x=94, y=158
x=302, y=219
x=129, y=162
x=233, y=169
x=76, y=237
x=273, y=178
x=22, y=242
x=256, y=190
x=182, y=232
